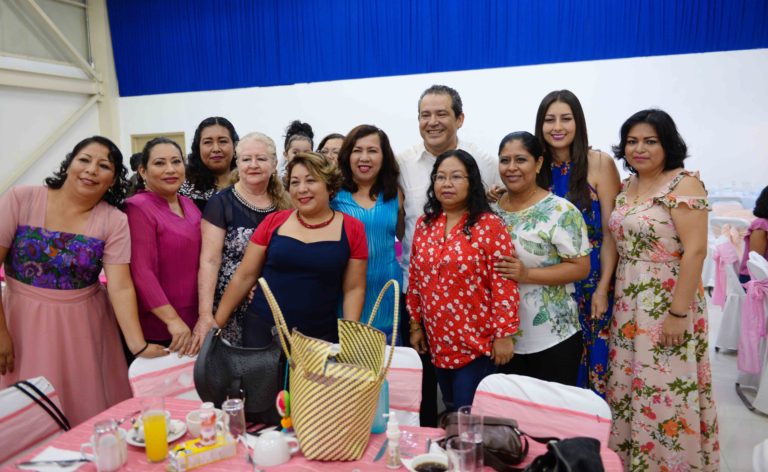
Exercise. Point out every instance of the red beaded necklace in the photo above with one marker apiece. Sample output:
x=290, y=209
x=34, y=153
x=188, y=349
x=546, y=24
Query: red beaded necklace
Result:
x=318, y=225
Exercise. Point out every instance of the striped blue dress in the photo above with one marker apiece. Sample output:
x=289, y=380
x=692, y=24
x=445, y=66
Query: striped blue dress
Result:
x=380, y=224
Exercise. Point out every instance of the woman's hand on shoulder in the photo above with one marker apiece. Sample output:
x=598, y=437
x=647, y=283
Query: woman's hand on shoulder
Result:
x=6, y=352
x=494, y=193
x=503, y=350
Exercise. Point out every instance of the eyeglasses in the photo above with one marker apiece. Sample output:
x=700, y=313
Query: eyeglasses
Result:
x=454, y=178
x=329, y=152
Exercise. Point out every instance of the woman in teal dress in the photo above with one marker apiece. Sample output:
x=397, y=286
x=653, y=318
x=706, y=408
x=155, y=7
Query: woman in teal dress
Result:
x=588, y=179
x=370, y=193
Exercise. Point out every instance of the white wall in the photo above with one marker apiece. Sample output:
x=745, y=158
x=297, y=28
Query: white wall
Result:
x=719, y=101
x=27, y=117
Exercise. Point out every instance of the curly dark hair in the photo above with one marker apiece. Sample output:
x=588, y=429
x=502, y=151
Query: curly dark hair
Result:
x=318, y=166
x=198, y=175
x=761, y=205
x=477, y=203
x=298, y=130
x=386, y=181
x=578, y=188
x=675, y=149
x=115, y=195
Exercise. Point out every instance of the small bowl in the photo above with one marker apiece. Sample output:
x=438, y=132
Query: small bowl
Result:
x=428, y=458
x=193, y=421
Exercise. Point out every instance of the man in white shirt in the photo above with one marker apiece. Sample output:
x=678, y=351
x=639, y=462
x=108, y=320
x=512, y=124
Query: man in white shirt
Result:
x=440, y=117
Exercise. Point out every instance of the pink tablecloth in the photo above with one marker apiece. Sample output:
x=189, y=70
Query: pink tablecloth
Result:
x=137, y=460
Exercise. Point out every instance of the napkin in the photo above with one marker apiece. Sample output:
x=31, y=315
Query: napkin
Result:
x=54, y=453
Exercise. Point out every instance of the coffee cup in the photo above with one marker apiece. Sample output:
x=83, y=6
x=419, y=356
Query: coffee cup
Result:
x=108, y=452
x=429, y=462
x=193, y=421
x=274, y=448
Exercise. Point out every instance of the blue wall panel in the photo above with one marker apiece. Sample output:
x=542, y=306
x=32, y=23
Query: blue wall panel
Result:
x=165, y=46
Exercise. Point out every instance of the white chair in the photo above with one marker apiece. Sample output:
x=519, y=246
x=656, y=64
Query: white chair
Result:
x=727, y=261
x=756, y=384
x=404, y=379
x=24, y=425
x=760, y=457
x=169, y=376
x=730, y=200
x=546, y=409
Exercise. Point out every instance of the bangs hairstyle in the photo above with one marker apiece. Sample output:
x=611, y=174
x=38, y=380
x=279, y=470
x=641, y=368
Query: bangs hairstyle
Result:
x=578, y=188
x=140, y=184
x=761, y=205
x=116, y=193
x=530, y=144
x=386, y=180
x=199, y=176
x=318, y=166
x=275, y=188
x=477, y=203
x=675, y=149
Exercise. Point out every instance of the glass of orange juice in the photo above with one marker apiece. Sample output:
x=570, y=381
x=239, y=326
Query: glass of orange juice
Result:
x=155, y=433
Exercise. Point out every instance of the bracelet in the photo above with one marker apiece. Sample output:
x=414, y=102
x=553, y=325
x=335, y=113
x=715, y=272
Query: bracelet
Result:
x=142, y=349
x=677, y=315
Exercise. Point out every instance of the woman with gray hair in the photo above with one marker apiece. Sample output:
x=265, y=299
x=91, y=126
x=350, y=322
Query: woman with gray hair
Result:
x=229, y=220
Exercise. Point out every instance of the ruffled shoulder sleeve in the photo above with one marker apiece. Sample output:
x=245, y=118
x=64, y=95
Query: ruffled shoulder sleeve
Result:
x=669, y=200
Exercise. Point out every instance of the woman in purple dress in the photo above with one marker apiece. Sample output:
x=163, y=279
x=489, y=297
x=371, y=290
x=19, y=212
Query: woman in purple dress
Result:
x=56, y=319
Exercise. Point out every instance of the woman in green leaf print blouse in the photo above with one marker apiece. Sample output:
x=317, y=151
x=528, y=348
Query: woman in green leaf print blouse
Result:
x=551, y=252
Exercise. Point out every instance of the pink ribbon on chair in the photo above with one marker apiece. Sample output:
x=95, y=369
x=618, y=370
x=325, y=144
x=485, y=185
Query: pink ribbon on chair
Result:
x=753, y=326
x=725, y=253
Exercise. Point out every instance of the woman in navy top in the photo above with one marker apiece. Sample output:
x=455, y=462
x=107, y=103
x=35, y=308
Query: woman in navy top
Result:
x=370, y=193
x=313, y=258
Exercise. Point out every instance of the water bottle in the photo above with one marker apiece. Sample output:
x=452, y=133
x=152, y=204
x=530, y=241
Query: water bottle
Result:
x=382, y=409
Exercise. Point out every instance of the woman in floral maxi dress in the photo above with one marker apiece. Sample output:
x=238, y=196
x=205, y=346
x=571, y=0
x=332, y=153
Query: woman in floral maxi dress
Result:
x=659, y=380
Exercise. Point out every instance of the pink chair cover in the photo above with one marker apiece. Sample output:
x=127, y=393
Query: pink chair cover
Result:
x=753, y=327
x=725, y=253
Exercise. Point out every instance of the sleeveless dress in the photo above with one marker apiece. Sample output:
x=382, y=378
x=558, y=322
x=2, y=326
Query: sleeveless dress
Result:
x=594, y=359
x=380, y=225
x=239, y=219
x=664, y=415
x=57, y=312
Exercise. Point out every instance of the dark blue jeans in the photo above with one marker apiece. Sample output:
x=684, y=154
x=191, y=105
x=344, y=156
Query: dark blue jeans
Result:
x=458, y=385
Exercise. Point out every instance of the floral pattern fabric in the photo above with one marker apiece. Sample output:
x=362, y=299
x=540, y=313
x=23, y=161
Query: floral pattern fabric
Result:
x=594, y=360
x=544, y=234
x=664, y=416
x=54, y=259
x=454, y=290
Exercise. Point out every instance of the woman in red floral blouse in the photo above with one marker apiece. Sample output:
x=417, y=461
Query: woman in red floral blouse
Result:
x=469, y=312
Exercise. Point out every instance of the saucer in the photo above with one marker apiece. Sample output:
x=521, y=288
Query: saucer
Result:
x=178, y=428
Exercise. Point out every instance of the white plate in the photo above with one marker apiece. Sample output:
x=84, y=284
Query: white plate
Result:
x=178, y=428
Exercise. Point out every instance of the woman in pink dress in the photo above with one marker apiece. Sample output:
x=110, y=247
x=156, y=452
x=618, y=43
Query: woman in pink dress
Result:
x=756, y=238
x=659, y=378
x=56, y=319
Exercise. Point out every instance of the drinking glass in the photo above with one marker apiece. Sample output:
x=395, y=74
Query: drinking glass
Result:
x=234, y=416
x=155, y=433
x=461, y=455
x=471, y=430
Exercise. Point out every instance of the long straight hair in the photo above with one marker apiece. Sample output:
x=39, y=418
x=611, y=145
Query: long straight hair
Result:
x=578, y=187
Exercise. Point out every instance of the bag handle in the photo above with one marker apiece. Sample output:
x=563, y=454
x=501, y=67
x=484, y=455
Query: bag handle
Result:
x=282, y=328
x=396, y=286
x=50, y=408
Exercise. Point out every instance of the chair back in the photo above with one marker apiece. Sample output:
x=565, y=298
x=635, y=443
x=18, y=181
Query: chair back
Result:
x=404, y=379
x=169, y=376
x=759, y=265
x=23, y=423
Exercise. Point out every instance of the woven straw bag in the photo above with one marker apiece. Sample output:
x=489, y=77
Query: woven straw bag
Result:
x=334, y=394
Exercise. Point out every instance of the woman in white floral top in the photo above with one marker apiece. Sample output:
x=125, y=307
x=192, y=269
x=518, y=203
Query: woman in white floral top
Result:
x=551, y=252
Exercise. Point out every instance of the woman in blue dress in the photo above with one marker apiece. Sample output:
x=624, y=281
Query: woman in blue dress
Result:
x=370, y=193
x=588, y=179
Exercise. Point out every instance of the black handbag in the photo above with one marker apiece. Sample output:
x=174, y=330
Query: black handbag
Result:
x=504, y=444
x=254, y=374
x=569, y=455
